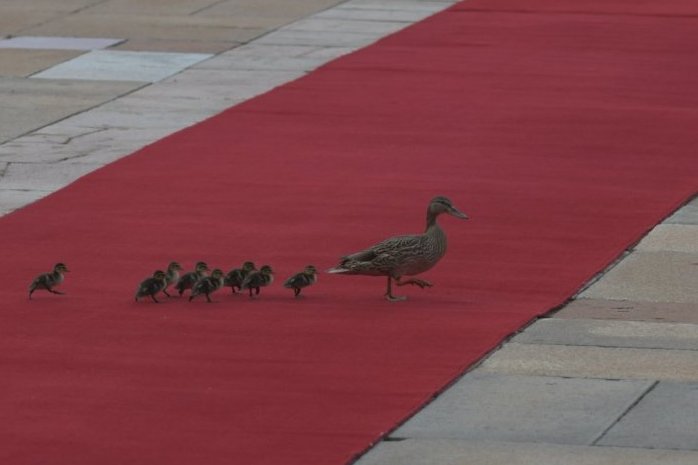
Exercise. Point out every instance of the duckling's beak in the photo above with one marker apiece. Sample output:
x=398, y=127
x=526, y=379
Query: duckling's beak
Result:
x=453, y=211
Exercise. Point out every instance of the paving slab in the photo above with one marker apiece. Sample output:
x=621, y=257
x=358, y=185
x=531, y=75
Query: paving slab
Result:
x=256, y=56
x=669, y=312
x=111, y=65
x=29, y=104
x=53, y=6
x=22, y=63
x=462, y=452
x=267, y=8
x=150, y=7
x=318, y=38
x=234, y=85
x=322, y=24
x=605, y=333
x=176, y=45
x=593, y=362
x=14, y=199
x=119, y=116
x=58, y=43
x=688, y=214
x=495, y=406
x=14, y=20
x=666, y=418
x=405, y=5
x=650, y=276
x=43, y=176
x=84, y=145
x=372, y=14
x=672, y=238
x=156, y=26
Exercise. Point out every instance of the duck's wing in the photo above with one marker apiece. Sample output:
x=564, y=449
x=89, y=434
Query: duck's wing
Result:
x=298, y=280
x=148, y=287
x=389, y=246
x=380, y=258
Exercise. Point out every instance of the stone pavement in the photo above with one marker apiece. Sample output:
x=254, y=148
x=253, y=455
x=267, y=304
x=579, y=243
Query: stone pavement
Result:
x=611, y=378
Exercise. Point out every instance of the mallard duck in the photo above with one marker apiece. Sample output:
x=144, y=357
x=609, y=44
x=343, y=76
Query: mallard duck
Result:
x=300, y=280
x=406, y=255
x=172, y=275
x=236, y=276
x=257, y=279
x=49, y=280
x=208, y=285
x=153, y=285
x=188, y=280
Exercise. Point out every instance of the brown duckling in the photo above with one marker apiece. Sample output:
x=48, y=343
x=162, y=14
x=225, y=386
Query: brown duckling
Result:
x=151, y=286
x=49, y=280
x=236, y=276
x=208, y=285
x=171, y=276
x=303, y=279
x=258, y=279
x=188, y=280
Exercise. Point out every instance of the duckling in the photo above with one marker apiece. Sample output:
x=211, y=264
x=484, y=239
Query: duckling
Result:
x=188, y=280
x=303, y=279
x=208, y=285
x=236, y=276
x=171, y=276
x=49, y=280
x=257, y=279
x=153, y=285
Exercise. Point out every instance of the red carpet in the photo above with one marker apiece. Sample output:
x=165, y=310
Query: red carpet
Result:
x=565, y=129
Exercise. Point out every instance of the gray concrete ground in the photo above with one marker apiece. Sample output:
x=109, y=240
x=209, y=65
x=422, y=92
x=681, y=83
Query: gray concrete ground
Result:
x=612, y=378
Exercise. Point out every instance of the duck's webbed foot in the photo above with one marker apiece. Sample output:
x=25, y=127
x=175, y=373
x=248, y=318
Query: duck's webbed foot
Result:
x=389, y=293
x=415, y=282
x=395, y=298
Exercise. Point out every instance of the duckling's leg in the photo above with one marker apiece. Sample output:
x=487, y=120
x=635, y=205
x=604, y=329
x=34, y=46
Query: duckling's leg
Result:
x=256, y=290
x=208, y=298
x=389, y=292
x=415, y=282
x=152, y=296
x=296, y=291
x=164, y=291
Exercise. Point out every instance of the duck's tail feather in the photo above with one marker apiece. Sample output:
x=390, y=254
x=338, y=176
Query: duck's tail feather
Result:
x=337, y=270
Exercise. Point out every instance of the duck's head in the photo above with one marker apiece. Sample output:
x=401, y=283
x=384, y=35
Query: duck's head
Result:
x=310, y=270
x=174, y=266
x=441, y=204
x=201, y=266
x=248, y=266
x=159, y=275
x=217, y=273
x=60, y=268
x=266, y=269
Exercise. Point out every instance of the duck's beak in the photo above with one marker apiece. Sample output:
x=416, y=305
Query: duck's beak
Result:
x=453, y=211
